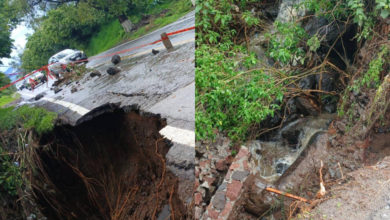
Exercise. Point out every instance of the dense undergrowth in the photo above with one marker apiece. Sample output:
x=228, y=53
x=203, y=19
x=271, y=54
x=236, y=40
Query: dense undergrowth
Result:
x=16, y=128
x=237, y=92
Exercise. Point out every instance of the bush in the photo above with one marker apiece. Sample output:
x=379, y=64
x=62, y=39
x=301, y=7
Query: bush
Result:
x=27, y=118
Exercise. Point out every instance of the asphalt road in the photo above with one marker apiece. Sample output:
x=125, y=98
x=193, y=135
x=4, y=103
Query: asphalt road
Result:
x=161, y=83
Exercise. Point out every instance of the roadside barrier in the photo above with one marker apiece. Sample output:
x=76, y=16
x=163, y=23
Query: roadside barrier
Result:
x=49, y=75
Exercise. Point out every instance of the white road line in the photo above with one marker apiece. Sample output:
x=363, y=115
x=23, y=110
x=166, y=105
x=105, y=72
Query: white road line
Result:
x=76, y=108
x=179, y=135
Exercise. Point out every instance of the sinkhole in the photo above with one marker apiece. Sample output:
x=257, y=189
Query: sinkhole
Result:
x=111, y=165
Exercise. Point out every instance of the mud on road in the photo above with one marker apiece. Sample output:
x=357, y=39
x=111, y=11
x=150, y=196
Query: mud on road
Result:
x=109, y=166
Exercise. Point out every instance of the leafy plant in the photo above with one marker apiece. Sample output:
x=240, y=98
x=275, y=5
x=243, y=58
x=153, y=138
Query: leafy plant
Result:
x=284, y=44
x=10, y=176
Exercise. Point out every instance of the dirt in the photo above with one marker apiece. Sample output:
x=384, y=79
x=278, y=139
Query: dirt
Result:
x=109, y=166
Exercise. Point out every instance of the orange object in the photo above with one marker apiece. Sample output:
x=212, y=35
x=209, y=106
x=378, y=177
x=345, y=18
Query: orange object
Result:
x=286, y=194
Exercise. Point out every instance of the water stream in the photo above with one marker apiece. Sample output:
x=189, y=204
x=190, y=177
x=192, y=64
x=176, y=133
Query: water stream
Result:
x=273, y=158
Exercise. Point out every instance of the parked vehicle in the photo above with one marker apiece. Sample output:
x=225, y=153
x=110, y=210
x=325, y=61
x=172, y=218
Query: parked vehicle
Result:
x=59, y=61
x=33, y=81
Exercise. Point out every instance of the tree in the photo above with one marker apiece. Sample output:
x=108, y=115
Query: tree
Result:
x=115, y=8
x=5, y=31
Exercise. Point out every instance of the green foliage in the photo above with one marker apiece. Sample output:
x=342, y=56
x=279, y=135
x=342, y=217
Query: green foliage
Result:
x=284, y=44
x=229, y=100
x=65, y=27
x=4, y=80
x=314, y=43
x=108, y=36
x=26, y=117
x=6, y=99
x=370, y=79
x=10, y=175
x=5, y=31
x=383, y=8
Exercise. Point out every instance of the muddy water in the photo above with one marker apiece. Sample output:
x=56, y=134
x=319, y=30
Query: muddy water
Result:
x=272, y=158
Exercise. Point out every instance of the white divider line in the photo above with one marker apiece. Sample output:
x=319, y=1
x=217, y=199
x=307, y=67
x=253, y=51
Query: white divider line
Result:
x=179, y=135
x=76, y=108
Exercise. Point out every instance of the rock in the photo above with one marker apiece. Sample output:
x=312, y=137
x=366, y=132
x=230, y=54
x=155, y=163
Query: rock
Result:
x=95, y=73
x=221, y=165
x=325, y=82
x=74, y=89
x=219, y=200
x=330, y=108
x=288, y=10
x=56, y=90
x=292, y=137
x=115, y=59
x=281, y=167
x=307, y=106
x=39, y=96
x=198, y=198
x=113, y=70
x=321, y=27
x=234, y=189
x=240, y=175
x=154, y=52
x=256, y=202
x=307, y=82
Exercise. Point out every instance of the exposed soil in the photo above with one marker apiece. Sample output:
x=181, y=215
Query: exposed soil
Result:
x=109, y=166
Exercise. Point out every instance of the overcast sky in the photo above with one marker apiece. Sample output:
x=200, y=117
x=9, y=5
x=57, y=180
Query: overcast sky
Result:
x=19, y=35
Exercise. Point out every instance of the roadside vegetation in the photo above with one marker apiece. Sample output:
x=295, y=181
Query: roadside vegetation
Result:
x=8, y=95
x=111, y=33
x=92, y=26
x=17, y=128
x=242, y=93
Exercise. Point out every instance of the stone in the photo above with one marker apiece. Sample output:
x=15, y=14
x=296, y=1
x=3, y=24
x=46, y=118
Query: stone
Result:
x=240, y=175
x=39, y=96
x=209, y=180
x=326, y=81
x=288, y=11
x=213, y=214
x=219, y=200
x=307, y=82
x=74, y=89
x=227, y=210
x=57, y=90
x=95, y=73
x=198, y=212
x=221, y=165
x=154, y=52
x=198, y=198
x=242, y=153
x=307, y=106
x=115, y=59
x=222, y=187
x=256, y=203
x=233, y=190
x=113, y=70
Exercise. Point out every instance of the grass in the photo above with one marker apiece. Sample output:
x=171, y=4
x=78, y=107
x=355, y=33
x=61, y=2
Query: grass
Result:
x=6, y=99
x=112, y=33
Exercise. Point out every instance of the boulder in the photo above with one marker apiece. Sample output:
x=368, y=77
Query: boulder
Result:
x=307, y=106
x=115, y=59
x=95, y=73
x=154, y=52
x=113, y=70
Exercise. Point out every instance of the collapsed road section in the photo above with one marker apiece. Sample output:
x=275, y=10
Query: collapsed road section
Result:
x=110, y=165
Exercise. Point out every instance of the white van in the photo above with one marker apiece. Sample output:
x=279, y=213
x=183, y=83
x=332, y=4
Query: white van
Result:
x=58, y=61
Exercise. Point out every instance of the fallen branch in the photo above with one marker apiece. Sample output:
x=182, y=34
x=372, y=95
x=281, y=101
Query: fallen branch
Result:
x=322, y=190
x=287, y=194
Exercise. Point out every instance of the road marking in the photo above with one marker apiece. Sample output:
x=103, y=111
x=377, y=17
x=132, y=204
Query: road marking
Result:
x=179, y=135
x=76, y=108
